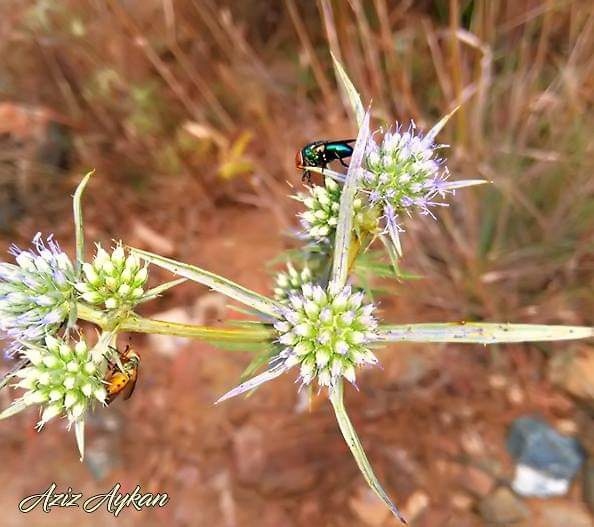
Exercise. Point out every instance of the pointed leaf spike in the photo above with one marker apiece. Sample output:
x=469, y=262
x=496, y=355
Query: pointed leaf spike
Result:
x=344, y=227
x=215, y=282
x=351, y=94
x=16, y=407
x=254, y=382
x=481, y=332
x=352, y=440
x=79, y=433
x=432, y=134
x=78, y=222
x=453, y=185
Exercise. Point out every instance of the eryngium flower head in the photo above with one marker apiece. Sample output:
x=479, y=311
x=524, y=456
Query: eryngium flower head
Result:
x=290, y=282
x=321, y=217
x=35, y=293
x=114, y=280
x=404, y=171
x=61, y=378
x=326, y=333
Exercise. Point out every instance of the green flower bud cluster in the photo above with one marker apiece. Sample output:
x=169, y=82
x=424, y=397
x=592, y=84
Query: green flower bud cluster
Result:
x=290, y=282
x=326, y=334
x=320, y=219
x=35, y=294
x=62, y=379
x=114, y=280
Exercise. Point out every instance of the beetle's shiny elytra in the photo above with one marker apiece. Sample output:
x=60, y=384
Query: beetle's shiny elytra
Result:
x=321, y=153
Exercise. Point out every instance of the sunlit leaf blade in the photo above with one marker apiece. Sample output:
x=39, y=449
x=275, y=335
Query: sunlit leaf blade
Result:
x=349, y=91
x=254, y=382
x=437, y=127
x=352, y=440
x=453, y=185
x=215, y=282
x=78, y=222
x=17, y=406
x=158, y=290
x=344, y=227
x=79, y=433
x=480, y=332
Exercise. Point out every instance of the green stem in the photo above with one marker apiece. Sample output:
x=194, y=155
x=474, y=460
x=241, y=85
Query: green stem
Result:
x=139, y=324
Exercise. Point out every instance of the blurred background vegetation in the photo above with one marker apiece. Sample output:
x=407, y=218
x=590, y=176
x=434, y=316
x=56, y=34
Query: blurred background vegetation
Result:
x=191, y=112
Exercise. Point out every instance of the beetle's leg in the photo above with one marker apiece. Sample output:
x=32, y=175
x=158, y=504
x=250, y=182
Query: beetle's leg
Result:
x=343, y=163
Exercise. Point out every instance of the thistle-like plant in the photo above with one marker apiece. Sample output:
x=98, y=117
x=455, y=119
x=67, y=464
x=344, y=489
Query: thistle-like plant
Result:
x=317, y=323
x=35, y=293
x=114, y=280
x=326, y=331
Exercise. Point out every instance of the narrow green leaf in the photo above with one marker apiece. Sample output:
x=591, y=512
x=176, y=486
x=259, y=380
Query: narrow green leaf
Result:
x=79, y=233
x=349, y=91
x=158, y=290
x=79, y=433
x=215, y=282
x=480, y=332
x=344, y=227
x=17, y=406
x=352, y=440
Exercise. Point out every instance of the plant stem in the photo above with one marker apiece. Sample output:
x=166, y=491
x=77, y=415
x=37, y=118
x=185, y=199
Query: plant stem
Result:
x=139, y=324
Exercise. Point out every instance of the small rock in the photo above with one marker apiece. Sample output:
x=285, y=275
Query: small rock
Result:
x=472, y=443
x=502, y=507
x=531, y=482
x=368, y=508
x=566, y=426
x=547, y=460
x=515, y=395
x=417, y=502
x=563, y=514
x=248, y=452
x=497, y=381
x=476, y=481
x=574, y=372
x=461, y=501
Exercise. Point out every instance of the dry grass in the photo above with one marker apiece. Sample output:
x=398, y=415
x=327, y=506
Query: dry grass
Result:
x=199, y=103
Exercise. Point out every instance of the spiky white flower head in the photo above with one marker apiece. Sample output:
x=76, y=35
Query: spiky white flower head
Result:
x=115, y=280
x=63, y=378
x=290, y=282
x=404, y=173
x=35, y=294
x=326, y=333
x=320, y=218
x=403, y=170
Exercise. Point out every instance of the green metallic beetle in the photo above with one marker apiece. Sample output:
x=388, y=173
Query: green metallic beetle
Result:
x=321, y=153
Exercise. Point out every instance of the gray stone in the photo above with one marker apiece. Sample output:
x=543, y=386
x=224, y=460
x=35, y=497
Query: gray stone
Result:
x=533, y=443
x=503, y=507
